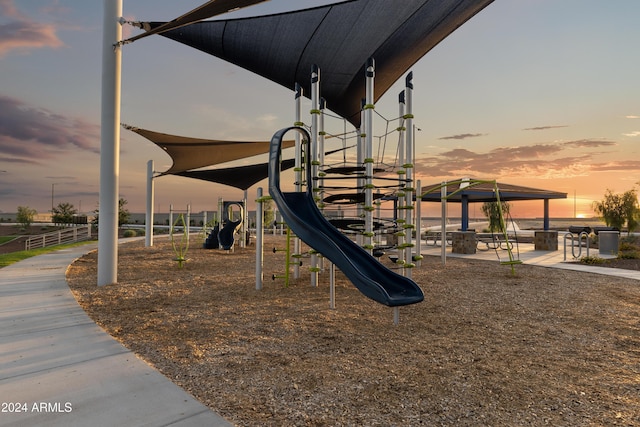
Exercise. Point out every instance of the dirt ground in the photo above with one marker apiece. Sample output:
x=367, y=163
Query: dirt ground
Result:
x=543, y=347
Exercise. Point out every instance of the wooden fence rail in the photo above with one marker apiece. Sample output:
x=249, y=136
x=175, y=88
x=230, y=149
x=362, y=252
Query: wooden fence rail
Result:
x=62, y=236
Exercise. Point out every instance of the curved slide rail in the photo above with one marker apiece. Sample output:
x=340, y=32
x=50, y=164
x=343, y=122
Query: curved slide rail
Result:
x=302, y=215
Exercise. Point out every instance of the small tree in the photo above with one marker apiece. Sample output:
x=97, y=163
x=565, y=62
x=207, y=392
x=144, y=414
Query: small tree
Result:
x=63, y=213
x=616, y=210
x=123, y=213
x=269, y=212
x=492, y=212
x=25, y=216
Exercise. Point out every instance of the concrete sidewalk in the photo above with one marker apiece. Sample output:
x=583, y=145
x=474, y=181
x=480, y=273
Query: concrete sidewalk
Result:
x=58, y=368
x=526, y=253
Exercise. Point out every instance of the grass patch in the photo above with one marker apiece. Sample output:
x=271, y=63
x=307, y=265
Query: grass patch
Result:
x=5, y=239
x=13, y=257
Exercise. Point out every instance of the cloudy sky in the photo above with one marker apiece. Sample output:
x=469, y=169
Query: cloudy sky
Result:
x=542, y=93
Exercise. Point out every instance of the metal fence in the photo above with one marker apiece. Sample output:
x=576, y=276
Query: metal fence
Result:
x=62, y=236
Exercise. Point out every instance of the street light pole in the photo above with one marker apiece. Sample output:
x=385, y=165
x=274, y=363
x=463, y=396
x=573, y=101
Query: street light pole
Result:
x=52, y=186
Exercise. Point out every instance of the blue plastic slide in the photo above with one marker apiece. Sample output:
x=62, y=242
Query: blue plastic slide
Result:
x=302, y=215
x=225, y=235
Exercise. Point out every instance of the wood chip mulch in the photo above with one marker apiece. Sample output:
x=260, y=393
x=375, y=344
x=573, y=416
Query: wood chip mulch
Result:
x=543, y=347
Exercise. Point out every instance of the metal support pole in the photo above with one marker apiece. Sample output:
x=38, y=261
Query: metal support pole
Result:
x=400, y=203
x=368, y=156
x=315, y=113
x=187, y=223
x=148, y=221
x=259, y=240
x=298, y=169
x=418, y=223
x=171, y=221
x=110, y=143
x=408, y=167
x=443, y=223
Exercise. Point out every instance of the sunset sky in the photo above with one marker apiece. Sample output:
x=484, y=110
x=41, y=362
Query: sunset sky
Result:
x=541, y=93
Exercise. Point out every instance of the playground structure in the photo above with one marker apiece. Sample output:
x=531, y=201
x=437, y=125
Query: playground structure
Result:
x=232, y=220
x=367, y=172
x=303, y=216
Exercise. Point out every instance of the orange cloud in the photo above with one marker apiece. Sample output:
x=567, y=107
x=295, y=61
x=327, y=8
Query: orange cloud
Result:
x=21, y=33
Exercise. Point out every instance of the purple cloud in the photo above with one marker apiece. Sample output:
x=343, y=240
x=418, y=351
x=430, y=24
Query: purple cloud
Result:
x=546, y=127
x=29, y=134
x=22, y=33
x=537, y=160
x=590, y=143
x=462, y=136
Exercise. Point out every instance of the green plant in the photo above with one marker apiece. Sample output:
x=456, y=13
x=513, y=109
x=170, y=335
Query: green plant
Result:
x=140, y=232
x=129, y=233
x=123, y=213
x=25, y=216
x=493, y=213
x=180, y=248
x=618, y=209
x=592, y=260
x=634, y=254
x=63, y=213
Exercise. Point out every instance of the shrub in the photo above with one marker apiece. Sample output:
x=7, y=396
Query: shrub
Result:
x=129, y=233
x=629, y=255
x=140, y=232
x=592, y=260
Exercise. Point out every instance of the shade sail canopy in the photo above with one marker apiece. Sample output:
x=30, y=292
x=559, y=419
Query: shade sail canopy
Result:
x=205, y=11
x=484, y=192
x=242, y=177
x=193, y=153
x=339, y=38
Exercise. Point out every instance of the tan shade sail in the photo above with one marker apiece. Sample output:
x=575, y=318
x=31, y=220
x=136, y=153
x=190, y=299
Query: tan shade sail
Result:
x=193, y=153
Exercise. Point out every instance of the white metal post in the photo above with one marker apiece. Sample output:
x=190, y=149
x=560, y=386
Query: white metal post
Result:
x=148, y=221
x=368, y=156
x=187, y=223
x=259, y=240
x=401, y=178
x=245, y=222
x=110, y=143
x=443, y=223
x=418, y=222
x=315, y=113
x=298, y=169
x=171, y=221
x=408, y=167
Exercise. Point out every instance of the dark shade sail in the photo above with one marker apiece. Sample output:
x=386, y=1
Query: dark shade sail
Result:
x=206, y=11
x=193, y=153
x=242, y=177
x=339, y=38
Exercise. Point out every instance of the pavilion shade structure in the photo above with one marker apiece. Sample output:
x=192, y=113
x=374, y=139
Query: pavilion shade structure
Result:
x=194, y=153
x=485, y=193
x=339, y=38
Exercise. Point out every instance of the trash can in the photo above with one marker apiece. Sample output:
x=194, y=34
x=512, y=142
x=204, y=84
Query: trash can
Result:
x=608, y=242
